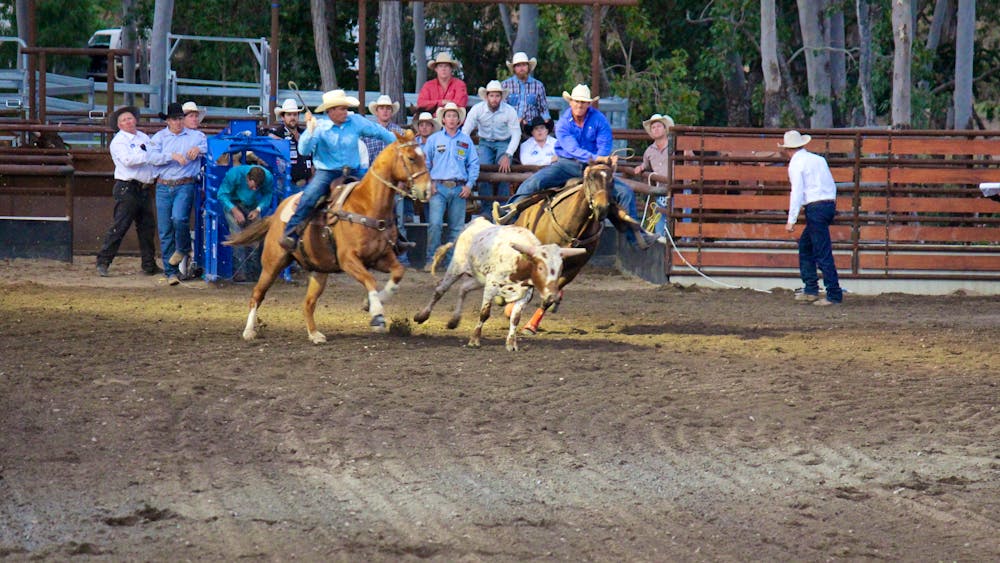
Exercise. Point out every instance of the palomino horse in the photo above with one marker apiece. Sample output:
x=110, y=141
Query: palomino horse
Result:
x=359, y=233
x=573, y=217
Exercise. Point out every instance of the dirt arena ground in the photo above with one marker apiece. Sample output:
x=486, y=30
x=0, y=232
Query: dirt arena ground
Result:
x=645, y=424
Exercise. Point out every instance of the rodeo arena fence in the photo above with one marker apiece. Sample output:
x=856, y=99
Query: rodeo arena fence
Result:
x=911, y=216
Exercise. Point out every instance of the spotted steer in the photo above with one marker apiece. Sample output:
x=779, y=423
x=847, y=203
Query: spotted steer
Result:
x=508, y=262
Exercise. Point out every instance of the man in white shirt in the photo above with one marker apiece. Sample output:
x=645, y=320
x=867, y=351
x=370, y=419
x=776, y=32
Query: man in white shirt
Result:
x=499, y=136
x=814, y=188
x=133, y=193
x=540, y=148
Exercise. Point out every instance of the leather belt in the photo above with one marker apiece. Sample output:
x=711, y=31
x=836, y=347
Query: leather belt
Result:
x=821, y=201
x=135, y=183
x=177, y=182
x=507, y=140
x=451, y=183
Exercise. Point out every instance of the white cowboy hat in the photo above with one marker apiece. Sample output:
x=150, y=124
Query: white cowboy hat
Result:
x=426, y=116
x=666, y=120
x=337, y=98
x=288, y=106
x=383, y=100
x=443, y=58
x=191, y=107
x=448, y=107
x=522, y=57
x=581, y=93
x=793, y=140
x=494, y=86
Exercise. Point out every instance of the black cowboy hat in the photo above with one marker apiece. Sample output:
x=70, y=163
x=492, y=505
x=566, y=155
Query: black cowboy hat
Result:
x=535, y=122
x=174, y=111
x=113, y=122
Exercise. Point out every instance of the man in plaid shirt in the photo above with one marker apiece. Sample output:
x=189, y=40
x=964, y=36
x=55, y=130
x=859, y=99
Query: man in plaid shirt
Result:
x=527, y=93
x=383, y=109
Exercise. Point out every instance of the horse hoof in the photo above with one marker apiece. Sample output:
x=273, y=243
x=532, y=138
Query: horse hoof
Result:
x=317, y=338
x=378, y=323
x=529, y=331
x=473, y=344
x=512, y=347
x=249, y=335
x=453, y=324
x=421, y=317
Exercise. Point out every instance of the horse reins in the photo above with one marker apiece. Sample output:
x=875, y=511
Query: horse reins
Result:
x=411, y=177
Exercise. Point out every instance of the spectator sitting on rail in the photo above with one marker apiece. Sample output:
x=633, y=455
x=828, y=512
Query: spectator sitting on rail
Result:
x=527, y=93
x=583, y=135
x=176, y=151
x=333, y=143
x=246, y=191
x=290, y=128
x=656, y=159
x=133, y=193
x=540, y=148
x=454, y=168
x=812, y=186
x=444, y=88
x=499, y=135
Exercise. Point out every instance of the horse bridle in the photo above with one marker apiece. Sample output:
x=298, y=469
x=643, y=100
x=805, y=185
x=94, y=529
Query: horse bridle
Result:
x=411, y=177
x=577, y=241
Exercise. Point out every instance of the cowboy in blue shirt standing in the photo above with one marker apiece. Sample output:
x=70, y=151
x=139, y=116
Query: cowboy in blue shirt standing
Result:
x=583, y=135
x=454, y=167
x=333, y=145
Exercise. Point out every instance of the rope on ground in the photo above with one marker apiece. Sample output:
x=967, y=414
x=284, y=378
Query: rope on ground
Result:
x=700, y=273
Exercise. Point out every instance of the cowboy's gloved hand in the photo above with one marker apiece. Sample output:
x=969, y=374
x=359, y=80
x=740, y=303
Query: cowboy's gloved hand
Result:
x=310, y=123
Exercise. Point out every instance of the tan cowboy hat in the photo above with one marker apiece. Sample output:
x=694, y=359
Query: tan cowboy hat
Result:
x=383, y=100
x=448, y=107
x=793, y=140
x=522, y=57
x=288, y=106
x=494, y=86
x=666, y=120
x=337, y=98
x=426, y=116
x=443, y=58
x=191, y=107
x=581, y=93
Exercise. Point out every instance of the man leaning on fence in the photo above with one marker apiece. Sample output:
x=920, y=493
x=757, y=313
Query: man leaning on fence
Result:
x=499, y=136
x=133, y=193
x=812, y=186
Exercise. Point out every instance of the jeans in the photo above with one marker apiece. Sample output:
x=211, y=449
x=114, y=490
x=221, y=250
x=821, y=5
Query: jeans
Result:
x=490, y=153
x=816, y=250
x=557, y=173
x=403, y=206
x=133, y=203
x=246, y=260
x=444, y=199
x=173, y=222
x=318, y=187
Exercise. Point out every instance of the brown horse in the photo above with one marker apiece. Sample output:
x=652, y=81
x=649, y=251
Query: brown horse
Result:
x=574, y=218
x=358, y=233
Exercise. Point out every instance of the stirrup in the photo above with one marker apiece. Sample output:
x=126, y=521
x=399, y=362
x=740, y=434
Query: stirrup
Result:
x=500, y=217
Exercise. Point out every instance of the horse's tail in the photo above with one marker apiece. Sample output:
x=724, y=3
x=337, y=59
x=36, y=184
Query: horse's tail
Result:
x=439, y=254
x=251, y=234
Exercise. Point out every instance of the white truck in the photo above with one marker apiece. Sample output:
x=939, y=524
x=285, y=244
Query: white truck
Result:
x=109, y=39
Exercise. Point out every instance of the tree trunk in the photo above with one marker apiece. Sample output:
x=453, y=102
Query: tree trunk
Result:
x=902, y=62
x=419, y=44
x=865, y=61
x=508, y=26
x=737, y=104
x=940, y=22
x=128, y=42
x=390, y=69
x=964, y=53
x=163, y=13
x=811, y=22
x=838, y=57
x=527, y=30
x=321, y=41
x=769, y=64
x=23, y=32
